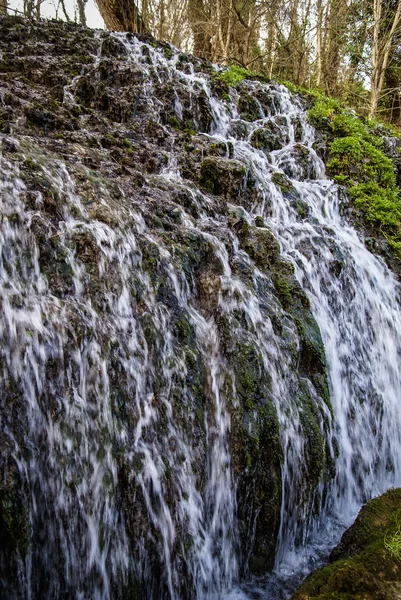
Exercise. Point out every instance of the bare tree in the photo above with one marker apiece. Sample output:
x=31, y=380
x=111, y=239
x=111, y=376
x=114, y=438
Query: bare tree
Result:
x=121, y=15
x=199, y=18
x=382, y=43
x=319, y=34
x=81, y=11
x=334, y=44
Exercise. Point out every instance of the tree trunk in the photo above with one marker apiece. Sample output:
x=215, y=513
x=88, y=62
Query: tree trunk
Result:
x=380, y=53
x=319, y=42
x=374, y=81
x=81, y=11
x=3, y=7
x=199, y=21
x=336, y=28
x=121, y=15
x=28, y=8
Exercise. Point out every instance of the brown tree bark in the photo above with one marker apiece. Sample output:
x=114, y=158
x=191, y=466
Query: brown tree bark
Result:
x=319, y=26
x=81, y=11
x=121, y=15
x=199, y=18
x=3, y=7
x=336, y=27
x=381, y=49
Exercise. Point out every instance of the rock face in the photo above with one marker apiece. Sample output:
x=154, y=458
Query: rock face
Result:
x=166, y=415
x=93, y=132
x=362, y=565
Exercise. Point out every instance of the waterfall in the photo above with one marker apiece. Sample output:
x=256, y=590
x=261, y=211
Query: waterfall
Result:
x=146, y=358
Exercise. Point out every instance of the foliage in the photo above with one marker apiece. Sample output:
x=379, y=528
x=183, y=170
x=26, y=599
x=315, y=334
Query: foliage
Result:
x=366, y=562
x=235, y=74
x=357, y=161
x=361, y=162
x=222, y=80
x=392, y=542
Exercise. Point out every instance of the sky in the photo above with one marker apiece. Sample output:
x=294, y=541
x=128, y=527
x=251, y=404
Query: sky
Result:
x=49, y=10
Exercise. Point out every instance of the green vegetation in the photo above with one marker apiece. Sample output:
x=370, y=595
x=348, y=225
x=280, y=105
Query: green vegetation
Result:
x=173, y=122
x=392, y=541
x=235, y=74
x=365, y=563
x=221, y=81
x=357, y=161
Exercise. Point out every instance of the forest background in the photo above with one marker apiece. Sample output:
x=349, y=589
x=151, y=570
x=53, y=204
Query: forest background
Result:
x=350, y=49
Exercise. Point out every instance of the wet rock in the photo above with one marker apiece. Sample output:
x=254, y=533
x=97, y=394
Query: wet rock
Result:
x=222, y=176
x=239, y=129
x=362, y=565
x=134, y=260
x=249, y=107
x=257, y=457
x=263, y=139
x=297, y=163
x=261, y=246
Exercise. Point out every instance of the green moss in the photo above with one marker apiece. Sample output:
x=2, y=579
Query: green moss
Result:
x=370, y=178
x=392, y=539
x=282, y=181
x=168, y=53
x=235, y=74
x=222, y=81
x=127, y=144
x=29, y=163
x=362, y=566
x=283, y=289
x=173, y=122
x=109, y=140
x=184, y=330
x=323, y=110
x=357, y=161
x=382, y=207
x=361, y=162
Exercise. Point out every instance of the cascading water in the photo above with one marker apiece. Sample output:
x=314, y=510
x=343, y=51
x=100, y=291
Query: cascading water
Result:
x=355, y=301
x=146, y=361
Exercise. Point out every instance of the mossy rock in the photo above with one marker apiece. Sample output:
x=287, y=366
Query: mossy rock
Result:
x=360, y=158
x=301, y=166
x=249, y=107
x=317, y=456
x=14, y=518
x=360, y=162
x=283, y=182
x=264, y=139
x=362, y=566
x=263, y=248
x=222, y=176
x=239, y=129
x=260, y=244
x=311, y=355
x=257, y=457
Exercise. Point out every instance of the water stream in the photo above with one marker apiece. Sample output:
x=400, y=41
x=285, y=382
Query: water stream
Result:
x=70, y=358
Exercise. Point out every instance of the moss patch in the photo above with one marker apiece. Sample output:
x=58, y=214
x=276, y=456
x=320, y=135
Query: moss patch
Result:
x=358, y=160
x=361, y=566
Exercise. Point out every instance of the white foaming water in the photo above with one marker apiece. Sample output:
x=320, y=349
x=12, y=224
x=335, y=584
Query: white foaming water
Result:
x=108, y=405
